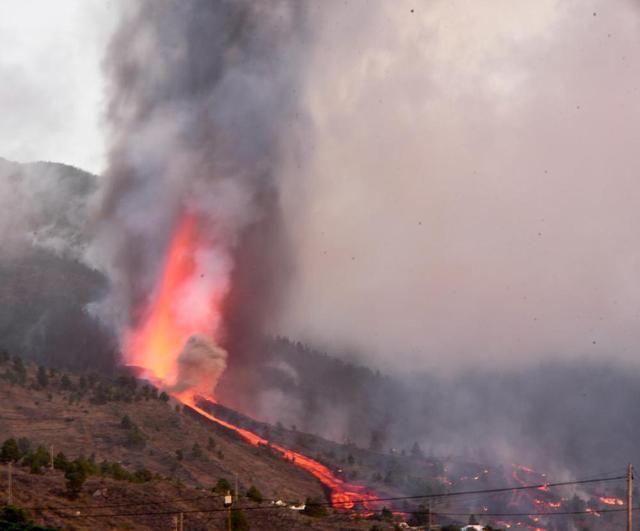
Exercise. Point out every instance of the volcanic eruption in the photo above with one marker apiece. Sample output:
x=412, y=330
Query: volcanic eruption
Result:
x=190, y=220
x=199, y=93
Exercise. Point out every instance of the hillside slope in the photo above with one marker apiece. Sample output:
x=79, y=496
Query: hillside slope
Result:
x=113, y=421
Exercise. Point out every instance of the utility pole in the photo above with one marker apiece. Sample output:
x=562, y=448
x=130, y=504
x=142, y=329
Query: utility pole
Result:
x=236, y=493
x=181, y=521
x=429, y=528
x=629, y=496
x=228, y=501
x=51, y=457
x=10, y=492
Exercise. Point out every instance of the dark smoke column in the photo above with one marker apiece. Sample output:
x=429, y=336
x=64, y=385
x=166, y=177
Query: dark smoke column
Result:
x=202, y=93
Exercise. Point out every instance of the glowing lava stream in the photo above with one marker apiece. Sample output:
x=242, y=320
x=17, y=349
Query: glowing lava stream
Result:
x=343, y=495
x=187, y=303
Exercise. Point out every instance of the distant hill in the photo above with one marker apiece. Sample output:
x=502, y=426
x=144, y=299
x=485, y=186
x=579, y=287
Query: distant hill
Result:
x=45, y=288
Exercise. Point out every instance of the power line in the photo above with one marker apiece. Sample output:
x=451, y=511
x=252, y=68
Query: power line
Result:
x=128, y=504
x=372, y=500
x=482, y=491
x=593, y=512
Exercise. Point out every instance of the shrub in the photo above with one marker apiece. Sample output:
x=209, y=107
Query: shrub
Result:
x=222, y=486
x=118, y=472
x=88, y=465
x=126, y=423
x=75, y=476
x=13, y=515
x=37, y=460
x=254, y=494
x=142, y=475
x=60, y=462
x=10, y=451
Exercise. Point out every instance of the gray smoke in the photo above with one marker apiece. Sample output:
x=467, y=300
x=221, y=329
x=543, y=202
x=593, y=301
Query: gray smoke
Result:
x=471, y=195
x=200, y=365
x=201, y=97
x=46, y=287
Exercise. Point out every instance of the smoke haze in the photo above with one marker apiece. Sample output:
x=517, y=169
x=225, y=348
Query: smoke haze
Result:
x=471, y=192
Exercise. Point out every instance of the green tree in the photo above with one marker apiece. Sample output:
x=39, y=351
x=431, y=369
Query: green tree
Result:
x=75, y=476
x=254, y=494
x=42, y=378
x=222, y=486
x=60, y=461
x=38, y=459
x=164, y=397
x=142, y=475
x=10, y=451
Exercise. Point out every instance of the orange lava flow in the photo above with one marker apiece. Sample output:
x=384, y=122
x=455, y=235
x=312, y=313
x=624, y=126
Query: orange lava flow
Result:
x=611, y=501
x=343, y=495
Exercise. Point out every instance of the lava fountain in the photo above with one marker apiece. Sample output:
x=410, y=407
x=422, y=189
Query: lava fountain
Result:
x=187, y=302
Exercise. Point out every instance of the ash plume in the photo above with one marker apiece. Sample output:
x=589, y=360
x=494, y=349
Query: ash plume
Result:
x=200, y=365
x=200, y=95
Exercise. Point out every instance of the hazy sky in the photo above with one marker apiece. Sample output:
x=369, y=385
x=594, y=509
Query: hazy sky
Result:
x=51, y=94
x=472, y=184
x=468, y=186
